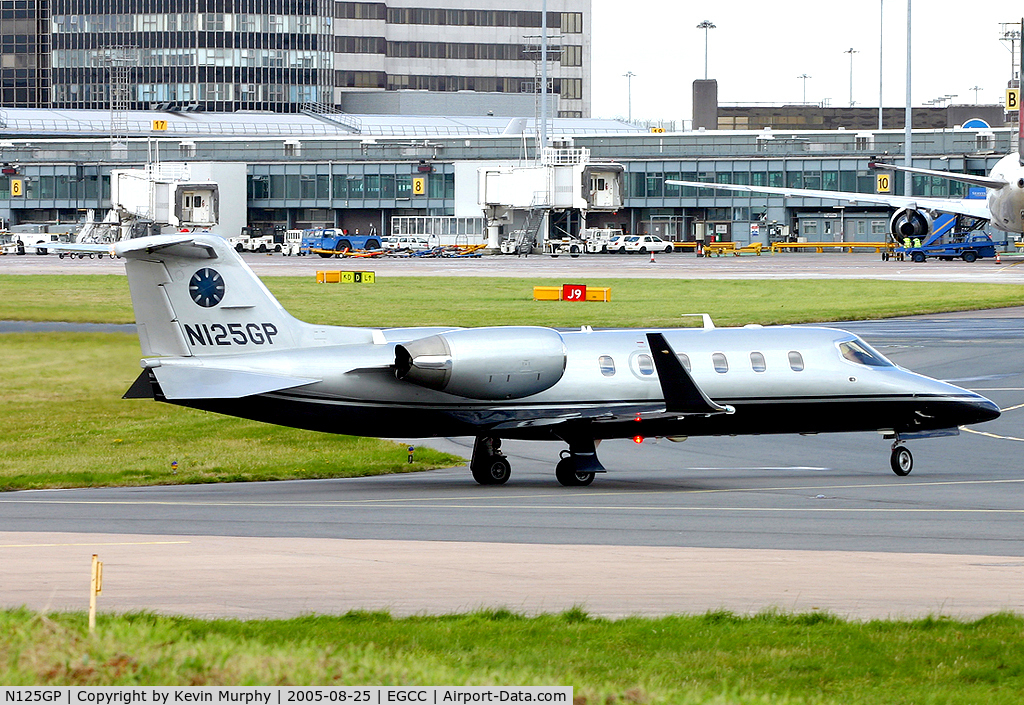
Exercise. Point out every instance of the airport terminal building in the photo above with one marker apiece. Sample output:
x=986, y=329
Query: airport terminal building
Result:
x=229, y=55
x=377, y=172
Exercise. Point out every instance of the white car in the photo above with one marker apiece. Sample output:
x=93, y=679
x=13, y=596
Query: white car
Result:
x=644, y=244
x=406, y=242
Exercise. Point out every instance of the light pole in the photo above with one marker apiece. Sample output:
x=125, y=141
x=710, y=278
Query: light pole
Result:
x=851, y=51
x=908, y=117
x=629, y=94
x=706, y=25
x=804, y=76
x=881, y=50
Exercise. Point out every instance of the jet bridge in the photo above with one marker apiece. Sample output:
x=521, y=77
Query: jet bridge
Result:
x=521, y=196
x=183, y=195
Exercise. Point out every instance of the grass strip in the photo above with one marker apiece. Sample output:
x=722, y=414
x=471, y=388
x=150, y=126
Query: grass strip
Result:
x=65, y=425
x=475, y=301
x=712, y=658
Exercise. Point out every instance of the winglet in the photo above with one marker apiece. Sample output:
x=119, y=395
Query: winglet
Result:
x=682, y=395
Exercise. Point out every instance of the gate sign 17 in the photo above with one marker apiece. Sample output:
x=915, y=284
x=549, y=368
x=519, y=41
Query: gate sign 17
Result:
x=574, y=292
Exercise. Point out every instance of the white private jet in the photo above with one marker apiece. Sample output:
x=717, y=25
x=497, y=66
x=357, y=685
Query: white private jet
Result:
x=213, y=337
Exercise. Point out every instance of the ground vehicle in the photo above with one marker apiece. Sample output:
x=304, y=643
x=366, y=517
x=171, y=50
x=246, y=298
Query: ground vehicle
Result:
x=951, y=237
x=406, y=242
x=292, y=244
x=616, y=244
x=571, y=246
x=257, y=243
x=599, y=239
x=644, y=244
x=336, y=240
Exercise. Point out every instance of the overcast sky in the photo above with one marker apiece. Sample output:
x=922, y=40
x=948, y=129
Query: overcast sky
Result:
x=759, y=48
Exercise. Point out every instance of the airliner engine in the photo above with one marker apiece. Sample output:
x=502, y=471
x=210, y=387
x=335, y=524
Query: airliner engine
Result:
x=909, y=222
x=484, y=363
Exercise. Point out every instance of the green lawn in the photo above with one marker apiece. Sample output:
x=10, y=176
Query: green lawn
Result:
x=65, y=425
x=473, y=301
x=716, y=658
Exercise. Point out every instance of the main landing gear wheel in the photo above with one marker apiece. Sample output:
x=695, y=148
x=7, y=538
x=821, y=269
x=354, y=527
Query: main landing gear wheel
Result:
x=567, y=476
x=489, y=465
x=901, y=461
x=494, y=471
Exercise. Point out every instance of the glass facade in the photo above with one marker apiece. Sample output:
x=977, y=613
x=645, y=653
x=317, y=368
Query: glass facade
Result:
x=213, y=55
x=24, y=53
x=229, y=55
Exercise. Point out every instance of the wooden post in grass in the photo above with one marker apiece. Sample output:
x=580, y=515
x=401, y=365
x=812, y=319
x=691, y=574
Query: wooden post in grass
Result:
x=95, y=588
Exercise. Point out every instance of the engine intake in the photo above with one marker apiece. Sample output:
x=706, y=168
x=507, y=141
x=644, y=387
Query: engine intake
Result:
x=484, y=363
x=908, y=222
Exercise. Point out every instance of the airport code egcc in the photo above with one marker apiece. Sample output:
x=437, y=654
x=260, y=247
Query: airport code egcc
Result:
x=281, y=695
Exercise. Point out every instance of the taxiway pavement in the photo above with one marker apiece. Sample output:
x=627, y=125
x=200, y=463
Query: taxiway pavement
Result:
x=785, y=265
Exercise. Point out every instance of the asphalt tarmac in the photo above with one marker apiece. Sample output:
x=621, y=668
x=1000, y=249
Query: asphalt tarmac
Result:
x=748, y=523
x=783, y=265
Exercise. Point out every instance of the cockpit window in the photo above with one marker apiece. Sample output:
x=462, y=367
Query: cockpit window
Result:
x=861, y=354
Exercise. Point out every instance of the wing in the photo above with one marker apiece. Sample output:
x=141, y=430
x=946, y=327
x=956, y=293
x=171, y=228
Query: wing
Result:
x=99, y=248
x=975, y=208
x=986, y=181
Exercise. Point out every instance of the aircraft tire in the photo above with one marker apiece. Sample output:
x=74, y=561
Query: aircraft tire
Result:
x=567, y=476
x=901, y=461
x=495, y=470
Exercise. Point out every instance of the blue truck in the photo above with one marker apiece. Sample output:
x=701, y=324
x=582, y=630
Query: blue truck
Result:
x=952, y=237
x=331, y=242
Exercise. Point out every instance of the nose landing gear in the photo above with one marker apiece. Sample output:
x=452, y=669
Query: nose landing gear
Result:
x=902, y=460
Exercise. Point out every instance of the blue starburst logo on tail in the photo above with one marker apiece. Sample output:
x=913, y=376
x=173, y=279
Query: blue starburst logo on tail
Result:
x=206, y=287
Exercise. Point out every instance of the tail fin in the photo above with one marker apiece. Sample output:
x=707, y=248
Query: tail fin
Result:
x=194, y=295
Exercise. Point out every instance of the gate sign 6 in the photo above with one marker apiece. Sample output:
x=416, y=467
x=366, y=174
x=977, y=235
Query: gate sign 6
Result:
x=574, y=292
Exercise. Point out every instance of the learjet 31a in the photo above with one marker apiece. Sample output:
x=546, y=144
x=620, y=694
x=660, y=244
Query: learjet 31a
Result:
x=214, y=338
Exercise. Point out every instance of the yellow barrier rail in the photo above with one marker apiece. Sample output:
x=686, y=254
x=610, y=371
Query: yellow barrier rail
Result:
x=729, y=248
x=820, y=246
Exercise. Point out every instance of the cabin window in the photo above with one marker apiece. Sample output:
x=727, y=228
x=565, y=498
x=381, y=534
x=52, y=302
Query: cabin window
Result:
x=757, y=362
x=607, y=365
x=645, y=364
x=796, y=361
x=862, y=355
x=684, y=360
x=720, y=363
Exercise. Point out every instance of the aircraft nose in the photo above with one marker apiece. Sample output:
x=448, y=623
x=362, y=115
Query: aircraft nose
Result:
x=978, y=410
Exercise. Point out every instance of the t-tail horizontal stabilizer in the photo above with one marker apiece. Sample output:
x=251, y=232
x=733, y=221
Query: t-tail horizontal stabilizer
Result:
x=682, y=395
x=209, y=383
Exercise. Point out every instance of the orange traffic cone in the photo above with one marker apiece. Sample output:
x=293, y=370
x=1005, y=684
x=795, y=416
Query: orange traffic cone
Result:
x=652, y=255
x=998, y=261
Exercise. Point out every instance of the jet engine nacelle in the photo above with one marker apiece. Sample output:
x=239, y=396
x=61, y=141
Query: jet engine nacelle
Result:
x=484, y=363
x=908, y=222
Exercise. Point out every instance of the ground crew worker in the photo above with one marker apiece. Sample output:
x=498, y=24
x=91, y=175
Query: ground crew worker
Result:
x=906, y=248
x=917, y=242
